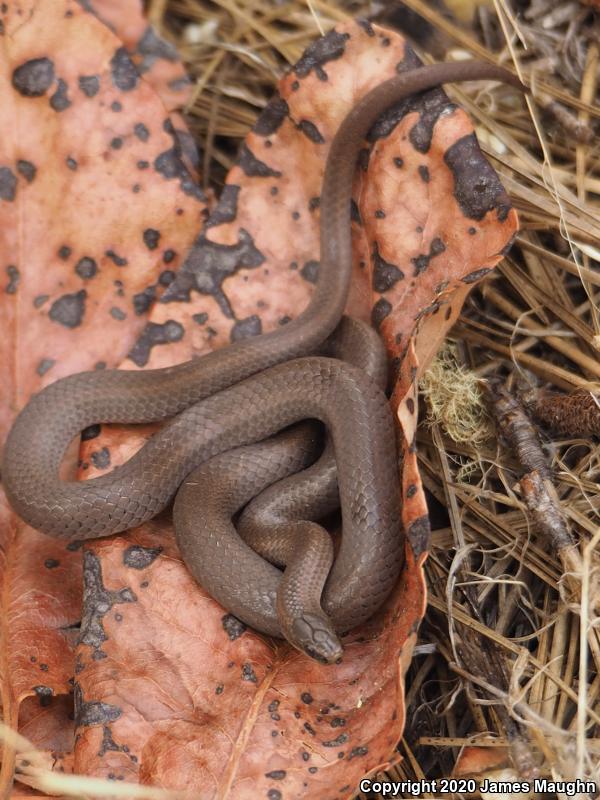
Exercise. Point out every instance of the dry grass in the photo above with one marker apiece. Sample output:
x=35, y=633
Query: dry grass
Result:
x=507, y=657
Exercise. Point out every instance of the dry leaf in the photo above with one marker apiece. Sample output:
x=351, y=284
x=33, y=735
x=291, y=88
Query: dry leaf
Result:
x=156, y=59
x=96, y=210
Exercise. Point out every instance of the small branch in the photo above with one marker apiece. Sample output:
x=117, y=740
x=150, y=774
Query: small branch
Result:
x=539, y=494
x=517, y=429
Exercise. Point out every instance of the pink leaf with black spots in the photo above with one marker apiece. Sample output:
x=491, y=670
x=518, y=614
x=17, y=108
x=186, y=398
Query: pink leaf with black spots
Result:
x=88, y=224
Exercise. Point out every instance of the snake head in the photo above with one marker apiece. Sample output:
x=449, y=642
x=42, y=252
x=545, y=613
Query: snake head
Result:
x=313, y=634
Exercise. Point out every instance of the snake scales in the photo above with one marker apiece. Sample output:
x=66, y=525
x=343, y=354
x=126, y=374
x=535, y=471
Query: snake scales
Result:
x=240, y=395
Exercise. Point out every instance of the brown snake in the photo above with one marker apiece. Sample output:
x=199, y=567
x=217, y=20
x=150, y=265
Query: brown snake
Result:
x=277, y=524
x=238, y=395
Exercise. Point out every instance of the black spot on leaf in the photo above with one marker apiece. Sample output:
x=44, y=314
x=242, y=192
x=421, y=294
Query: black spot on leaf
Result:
x=477, y=188
x=152, y=335
x=310, y=271
x=44, y=695
x=272, y=116
x=341, y=739
x=34, y=77
x=226, y=210
x=26, y=169
x=143, y=300
x=419, y=534
x=254, y=167
x=123, y=71
x=245, y=328
x=8, y=184
x=91, y=432
x=166, y=277
x=69, y=309
x=170, y=165
x=151, y=238
x=208, y=264
x=93, y=712
x=138, y=557
x=276, y=774
x=89, y=85
x=86, y=267
x=101, y=458
x=248, y=674
x=366, y=26
x=13, y=279
x=476, y=275
x=385, y=274
x=328, y=48
x=60, y=99
x=428, y=105
x=310, y=130
x=44, y=365
x=380, y=311
x=97, y=602
x=421, y=262
x=141, y=131
x=232, y=626
x=117, y=260
x=154, y=46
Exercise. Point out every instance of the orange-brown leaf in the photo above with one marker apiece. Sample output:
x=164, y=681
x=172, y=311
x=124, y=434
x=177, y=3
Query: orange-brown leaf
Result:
x=194, y=700
x=95, y=207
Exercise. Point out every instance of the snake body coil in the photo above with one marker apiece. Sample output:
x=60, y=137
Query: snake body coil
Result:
x=279, y=525
x=270, y=387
